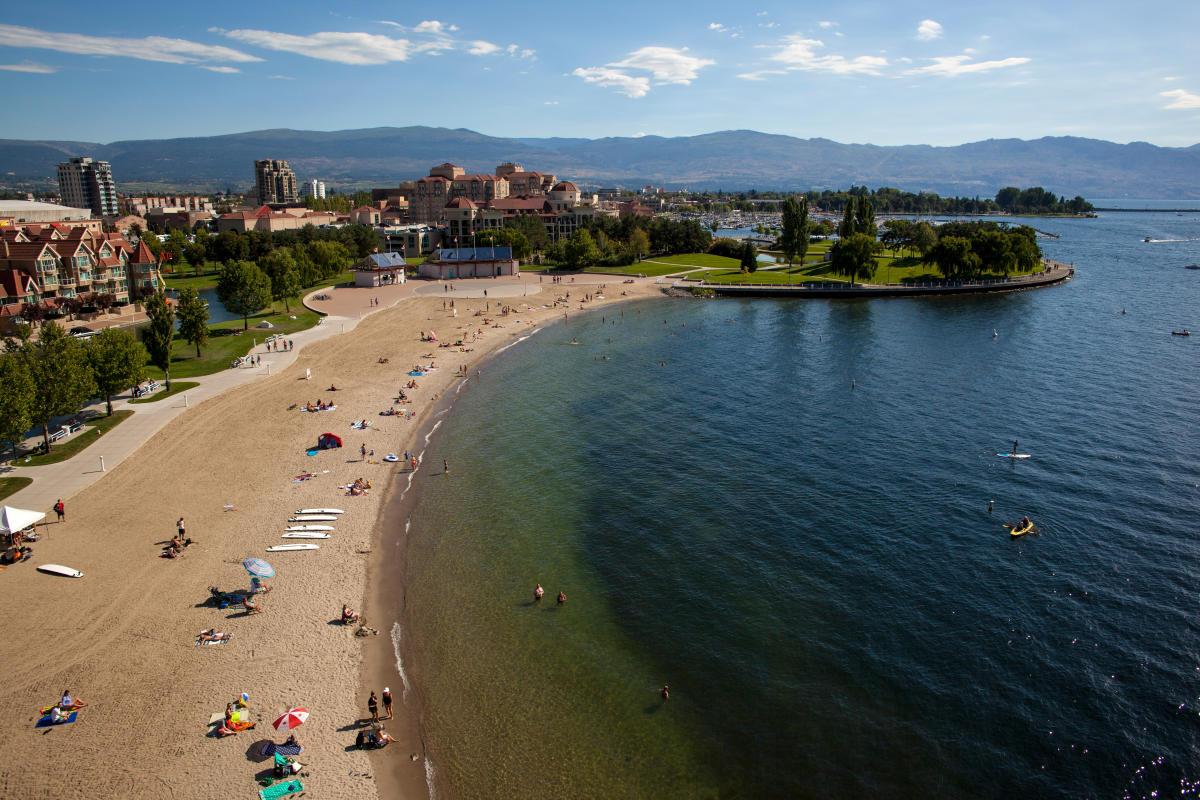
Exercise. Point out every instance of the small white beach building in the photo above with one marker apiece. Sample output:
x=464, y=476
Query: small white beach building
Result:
x=380, y=269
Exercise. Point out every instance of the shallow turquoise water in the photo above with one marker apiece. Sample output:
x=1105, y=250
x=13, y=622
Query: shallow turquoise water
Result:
x=812, y=567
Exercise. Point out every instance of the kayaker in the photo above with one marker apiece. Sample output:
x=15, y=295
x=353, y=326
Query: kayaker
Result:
x=1024, y=523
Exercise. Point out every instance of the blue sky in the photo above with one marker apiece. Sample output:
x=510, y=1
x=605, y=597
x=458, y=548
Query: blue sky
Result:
x=883, y=73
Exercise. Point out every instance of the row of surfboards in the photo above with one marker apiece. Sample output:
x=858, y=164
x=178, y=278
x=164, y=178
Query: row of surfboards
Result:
x=306, y=529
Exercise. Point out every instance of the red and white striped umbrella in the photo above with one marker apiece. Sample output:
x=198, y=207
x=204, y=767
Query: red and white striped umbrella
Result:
x=293, y=718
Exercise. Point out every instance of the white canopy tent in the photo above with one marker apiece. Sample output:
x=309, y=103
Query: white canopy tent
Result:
x=18, y=519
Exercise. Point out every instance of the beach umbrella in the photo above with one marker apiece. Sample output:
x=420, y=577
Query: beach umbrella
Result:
x=18, y=519
x=291, y=719
x=259, y=568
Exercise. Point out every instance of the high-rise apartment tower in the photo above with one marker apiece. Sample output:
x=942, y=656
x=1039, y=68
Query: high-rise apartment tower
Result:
x=276, y=182
x=84, y=183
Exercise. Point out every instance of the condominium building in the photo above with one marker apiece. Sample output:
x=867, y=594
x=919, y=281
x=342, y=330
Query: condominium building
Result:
x=276, y=182
x=84, y=183
x=313, y=188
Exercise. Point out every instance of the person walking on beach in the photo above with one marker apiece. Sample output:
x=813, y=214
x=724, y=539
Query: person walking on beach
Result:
x=413, y=461
x=363, y=451
x=60, y=510
x=373, y=707
x=445, y=466
x=387, y=702
x=180, y=528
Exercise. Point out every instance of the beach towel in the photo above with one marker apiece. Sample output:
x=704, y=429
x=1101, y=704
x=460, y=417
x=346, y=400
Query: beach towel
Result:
x=211, y=641
x=282, y=789
x=270, y=748
x=416, y=373
x=46, y=721
x=312, y=452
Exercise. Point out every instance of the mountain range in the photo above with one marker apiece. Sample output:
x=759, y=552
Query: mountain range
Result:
x=731, y=160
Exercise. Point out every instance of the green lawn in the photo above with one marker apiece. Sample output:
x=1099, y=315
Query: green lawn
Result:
x=176, y=388
x=93, y=429
x=13, y=485
x=891, y=269
x=227, y=341
x=643, y=268
x=694, y=260
x=190, y=280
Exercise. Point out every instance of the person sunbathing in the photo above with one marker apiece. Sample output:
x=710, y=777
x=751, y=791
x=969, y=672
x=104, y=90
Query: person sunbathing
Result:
x=252, y=607
x=383, y=360
x=310, y=407
x=211, y=635
x=69, y=703
x=331, y=388
x=171, y=552
x=349, y=615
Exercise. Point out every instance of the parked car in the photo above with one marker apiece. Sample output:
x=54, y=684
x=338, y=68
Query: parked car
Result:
x=83, y=333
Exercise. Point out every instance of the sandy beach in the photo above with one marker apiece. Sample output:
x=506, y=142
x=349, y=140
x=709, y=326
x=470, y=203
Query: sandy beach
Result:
x=123, y=637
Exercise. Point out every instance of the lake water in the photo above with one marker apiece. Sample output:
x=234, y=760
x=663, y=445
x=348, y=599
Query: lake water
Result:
x=787, y=521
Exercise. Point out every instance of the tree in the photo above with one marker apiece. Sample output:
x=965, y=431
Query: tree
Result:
x=855, y=257
x=994, y=251
x=534, y=229
x=580, y=250
x=118, y=362
x=953, y=257
x=749, y=257
x=62, y=377
x=789, y=241
x=243, y=289
x=16, y=398
x=159, y=337
x=864, y=218
x=192, y=312
x=924, y=238
x=285, y=285
x=639, y=243
x=846, y=228
x=195, y=253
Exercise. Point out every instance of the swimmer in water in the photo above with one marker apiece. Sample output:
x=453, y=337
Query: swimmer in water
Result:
x=538, y=592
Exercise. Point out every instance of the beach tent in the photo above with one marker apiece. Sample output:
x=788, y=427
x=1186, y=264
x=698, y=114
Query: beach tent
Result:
x=18, y=519
x=327, y=440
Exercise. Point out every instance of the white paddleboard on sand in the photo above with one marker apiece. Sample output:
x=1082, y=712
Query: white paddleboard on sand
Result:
x=59, y=569
x=306, y=535
x=1012, y=455
x=320, y=511
x=282, y=547
x=308, y=528
x=313, y=518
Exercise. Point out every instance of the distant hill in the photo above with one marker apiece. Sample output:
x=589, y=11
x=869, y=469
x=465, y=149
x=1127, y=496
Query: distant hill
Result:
x=727, y=159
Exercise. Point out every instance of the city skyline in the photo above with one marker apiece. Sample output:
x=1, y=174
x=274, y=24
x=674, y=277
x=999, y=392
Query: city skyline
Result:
x=902, y=73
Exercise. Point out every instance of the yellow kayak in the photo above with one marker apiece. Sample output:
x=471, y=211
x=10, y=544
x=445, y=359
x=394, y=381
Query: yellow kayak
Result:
x=1027, y=528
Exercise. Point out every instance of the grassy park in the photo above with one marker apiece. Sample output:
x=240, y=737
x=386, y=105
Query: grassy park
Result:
x=177, y=387
x=13, y=485
x=93, y=429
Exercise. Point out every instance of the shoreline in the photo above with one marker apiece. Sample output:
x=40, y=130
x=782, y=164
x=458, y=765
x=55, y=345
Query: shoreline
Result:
x=226, y=465
x=415, y=775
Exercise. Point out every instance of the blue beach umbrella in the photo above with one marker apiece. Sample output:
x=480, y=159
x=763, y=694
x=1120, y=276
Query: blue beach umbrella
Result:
x=259, y=568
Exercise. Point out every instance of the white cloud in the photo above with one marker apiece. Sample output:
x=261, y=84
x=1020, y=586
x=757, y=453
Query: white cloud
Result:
x=344, y=48
x=929, y=30
x=666, y=64
x=953, y=66
x=148, y=48
x=1171, y=78
x=281, y=77
x=1183, y=100
x=222, y=70
x=627, y=85
x=827, y=24
x=800, y=53
x=550, y=103
x=433, y=26
x=30, y=66
x=759, y=75
x=481, y=48
x=716, y=26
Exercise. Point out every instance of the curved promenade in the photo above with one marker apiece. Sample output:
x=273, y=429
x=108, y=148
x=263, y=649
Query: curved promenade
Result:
x=1053, y=273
